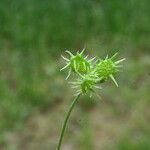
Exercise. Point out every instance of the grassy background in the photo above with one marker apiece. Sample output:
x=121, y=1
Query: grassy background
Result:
x=33, y=93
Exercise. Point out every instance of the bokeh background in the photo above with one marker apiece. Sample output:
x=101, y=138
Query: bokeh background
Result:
x=34, y=95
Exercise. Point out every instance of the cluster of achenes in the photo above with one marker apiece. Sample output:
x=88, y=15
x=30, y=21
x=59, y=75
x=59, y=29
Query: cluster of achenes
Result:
x=91, y=72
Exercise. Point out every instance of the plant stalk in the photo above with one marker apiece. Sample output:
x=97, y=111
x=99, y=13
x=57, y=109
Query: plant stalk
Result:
x=66, y=120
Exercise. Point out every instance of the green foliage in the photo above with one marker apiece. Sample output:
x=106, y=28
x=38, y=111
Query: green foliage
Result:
x=138, y=144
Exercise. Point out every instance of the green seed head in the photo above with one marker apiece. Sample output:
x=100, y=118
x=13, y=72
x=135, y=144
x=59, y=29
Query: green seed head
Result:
x=107, y=68
x=86, y=83
x=78, y=63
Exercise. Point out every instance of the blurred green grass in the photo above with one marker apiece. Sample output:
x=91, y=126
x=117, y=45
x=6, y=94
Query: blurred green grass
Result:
x=33, y=35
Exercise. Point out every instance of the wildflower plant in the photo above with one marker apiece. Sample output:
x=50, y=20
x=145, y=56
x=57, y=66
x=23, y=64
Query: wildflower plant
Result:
x=90, y=74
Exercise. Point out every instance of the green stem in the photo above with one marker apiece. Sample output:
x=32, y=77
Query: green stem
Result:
x=66, y=120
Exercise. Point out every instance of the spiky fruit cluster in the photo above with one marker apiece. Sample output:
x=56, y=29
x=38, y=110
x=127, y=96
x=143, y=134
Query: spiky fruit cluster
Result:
x=91, y=73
